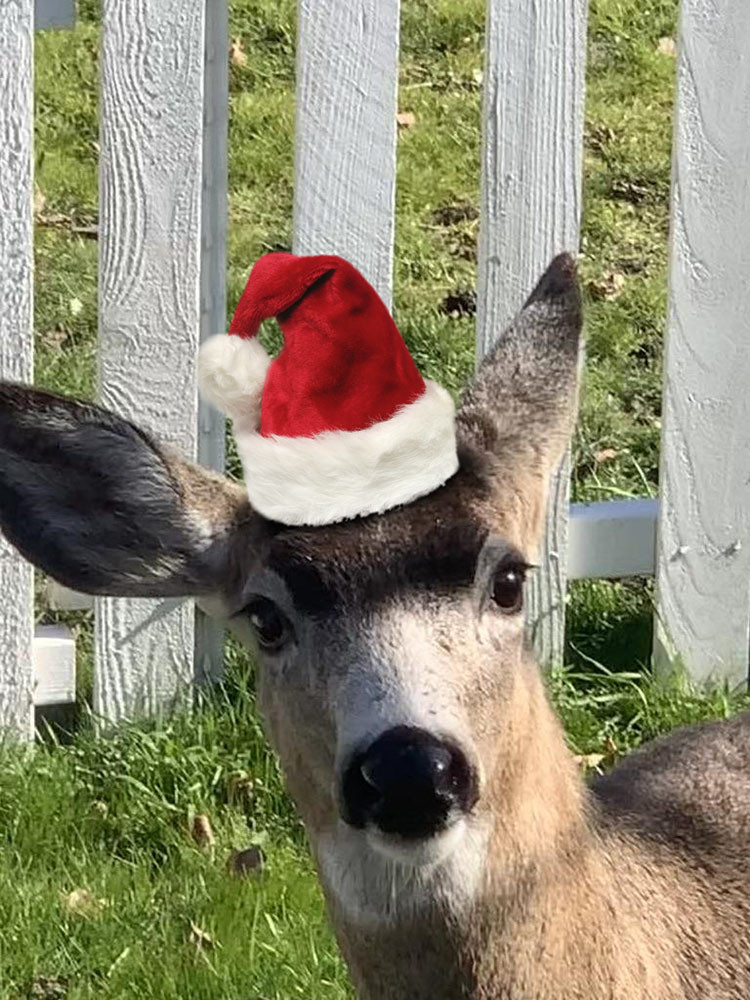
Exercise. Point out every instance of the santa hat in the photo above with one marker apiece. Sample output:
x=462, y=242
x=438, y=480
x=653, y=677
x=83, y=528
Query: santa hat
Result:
x=341, y=424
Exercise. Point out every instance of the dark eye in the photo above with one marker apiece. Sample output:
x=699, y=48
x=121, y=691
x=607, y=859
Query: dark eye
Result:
x=270, y=626
x=507, y=588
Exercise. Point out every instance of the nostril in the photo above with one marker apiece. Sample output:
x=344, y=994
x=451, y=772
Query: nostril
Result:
x=409, y=762
x=371, y=772
x=408, y=782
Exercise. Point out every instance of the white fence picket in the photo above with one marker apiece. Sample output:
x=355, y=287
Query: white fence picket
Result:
x=150, y=317
x=345, y=147
x=209, y=635
x=532, y=160
x=703, y=574
x=16, y=335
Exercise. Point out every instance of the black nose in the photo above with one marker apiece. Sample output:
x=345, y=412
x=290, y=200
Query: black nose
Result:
x=409, y=783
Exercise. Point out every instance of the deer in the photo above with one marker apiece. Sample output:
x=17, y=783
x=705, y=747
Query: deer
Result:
x=461, y=853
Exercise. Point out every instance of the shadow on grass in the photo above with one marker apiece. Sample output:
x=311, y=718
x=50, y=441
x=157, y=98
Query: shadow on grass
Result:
x=610, y=622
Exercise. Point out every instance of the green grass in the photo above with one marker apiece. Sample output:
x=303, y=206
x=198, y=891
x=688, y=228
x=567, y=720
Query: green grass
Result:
x=112, y=815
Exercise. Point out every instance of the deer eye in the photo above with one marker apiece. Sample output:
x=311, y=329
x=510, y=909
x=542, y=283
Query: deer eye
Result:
x=507, y=588
x=269, y=624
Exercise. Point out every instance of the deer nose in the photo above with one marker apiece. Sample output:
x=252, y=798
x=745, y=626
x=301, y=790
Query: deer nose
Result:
x=409, y=783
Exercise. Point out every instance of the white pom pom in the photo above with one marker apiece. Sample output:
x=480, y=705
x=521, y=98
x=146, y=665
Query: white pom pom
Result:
x=231, y=374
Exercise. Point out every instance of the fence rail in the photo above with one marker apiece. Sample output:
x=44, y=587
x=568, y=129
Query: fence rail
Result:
x=162, y=288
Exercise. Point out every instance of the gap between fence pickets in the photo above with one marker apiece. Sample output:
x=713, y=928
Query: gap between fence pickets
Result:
x=607, y=540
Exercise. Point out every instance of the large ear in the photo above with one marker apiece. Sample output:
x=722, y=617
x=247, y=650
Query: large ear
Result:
x=524, y=396
x=93, y=501
x=520, y=408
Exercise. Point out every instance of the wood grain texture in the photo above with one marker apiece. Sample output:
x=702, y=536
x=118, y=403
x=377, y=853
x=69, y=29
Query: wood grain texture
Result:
x=703, y=572
x=16, y=336
x=534, y=84
x=345, y=171
x=209, y=635
x=152, y=64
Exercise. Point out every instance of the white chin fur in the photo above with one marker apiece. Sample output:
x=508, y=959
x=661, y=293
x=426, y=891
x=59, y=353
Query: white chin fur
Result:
x=338, y=475
x=418, y=853
x=231, y=375
x=376, y=882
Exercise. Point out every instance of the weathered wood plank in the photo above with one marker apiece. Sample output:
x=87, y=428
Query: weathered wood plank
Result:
x=703, y=573
x=532, y=158
x=152, y=58
x=16, y=335
x=345, y=173
x=209, y=636
x=54, y=13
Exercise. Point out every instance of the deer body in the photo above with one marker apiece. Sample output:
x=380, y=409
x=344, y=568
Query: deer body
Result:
x=461, y=854
x=605, y=905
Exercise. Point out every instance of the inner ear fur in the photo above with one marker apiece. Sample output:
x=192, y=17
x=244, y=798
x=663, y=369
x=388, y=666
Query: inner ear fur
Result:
x=518, y=412
x=95, y=502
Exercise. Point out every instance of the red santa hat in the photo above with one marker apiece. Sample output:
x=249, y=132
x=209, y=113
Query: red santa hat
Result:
x=341, y=424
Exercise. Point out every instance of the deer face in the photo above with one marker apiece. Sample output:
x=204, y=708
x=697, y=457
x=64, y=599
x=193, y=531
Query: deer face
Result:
x=391, y=648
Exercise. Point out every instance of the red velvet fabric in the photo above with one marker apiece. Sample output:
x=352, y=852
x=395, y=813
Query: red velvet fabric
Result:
x=344, y=364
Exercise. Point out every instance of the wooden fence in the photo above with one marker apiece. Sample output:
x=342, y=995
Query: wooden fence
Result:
x=162, y=288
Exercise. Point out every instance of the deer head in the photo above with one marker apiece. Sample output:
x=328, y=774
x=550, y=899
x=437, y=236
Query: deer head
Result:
x=391, y=648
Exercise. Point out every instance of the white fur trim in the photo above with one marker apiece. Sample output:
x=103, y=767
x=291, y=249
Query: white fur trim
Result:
x=231, y=374
x=339, y=475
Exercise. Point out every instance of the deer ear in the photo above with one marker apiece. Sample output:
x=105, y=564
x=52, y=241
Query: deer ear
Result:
x=94, y=502
x=521, y=404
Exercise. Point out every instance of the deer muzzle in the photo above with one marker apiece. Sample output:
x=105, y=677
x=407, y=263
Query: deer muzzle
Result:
x=408, y=784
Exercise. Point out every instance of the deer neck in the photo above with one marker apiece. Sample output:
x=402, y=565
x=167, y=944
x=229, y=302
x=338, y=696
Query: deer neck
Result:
x=483, y=921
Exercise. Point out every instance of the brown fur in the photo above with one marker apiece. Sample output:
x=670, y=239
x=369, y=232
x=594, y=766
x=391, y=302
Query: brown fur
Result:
x=635, y=889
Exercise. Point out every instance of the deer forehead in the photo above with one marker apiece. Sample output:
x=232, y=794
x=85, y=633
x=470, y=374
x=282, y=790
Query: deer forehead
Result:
x=430, y=547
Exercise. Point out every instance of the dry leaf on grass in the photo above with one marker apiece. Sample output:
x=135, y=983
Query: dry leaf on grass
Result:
x=83, y=903
x=236, y=52
x=612, y=752
x=55, y=338
x=462, y=302
x=406, y=119
x=455, y=213
x=202, y=940
x=48, y=988
x=243, y=864
x=605, y=455
x=203, y=834
x=610, y=286
x=666, y=46
x=39, y=200
x=589, y=761
x=76, y=307
x=240, y=789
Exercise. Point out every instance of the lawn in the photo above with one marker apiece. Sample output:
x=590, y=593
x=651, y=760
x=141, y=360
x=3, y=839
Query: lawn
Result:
x=104, y=890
